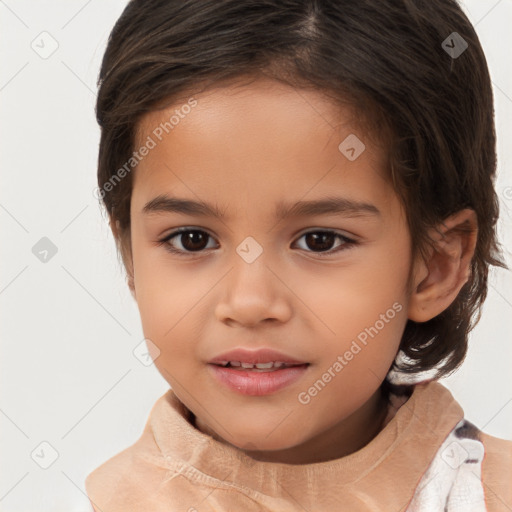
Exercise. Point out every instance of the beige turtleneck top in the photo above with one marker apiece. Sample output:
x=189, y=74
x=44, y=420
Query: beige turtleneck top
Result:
x=174, y=466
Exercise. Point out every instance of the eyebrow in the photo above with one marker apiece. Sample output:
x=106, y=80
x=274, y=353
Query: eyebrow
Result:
x=327, y=206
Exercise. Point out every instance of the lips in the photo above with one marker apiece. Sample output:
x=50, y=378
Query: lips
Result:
x=257, y=372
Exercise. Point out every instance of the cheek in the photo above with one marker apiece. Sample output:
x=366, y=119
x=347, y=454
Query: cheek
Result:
x=165, y=295
x=363, y=312
x=351, y=298
x=365, y=332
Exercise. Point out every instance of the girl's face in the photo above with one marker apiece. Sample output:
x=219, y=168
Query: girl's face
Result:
x=258, y=279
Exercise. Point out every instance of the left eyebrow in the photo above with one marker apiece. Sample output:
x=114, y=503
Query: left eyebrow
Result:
x=328, y=206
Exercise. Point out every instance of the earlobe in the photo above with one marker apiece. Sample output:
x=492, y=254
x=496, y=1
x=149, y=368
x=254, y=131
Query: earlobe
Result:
x=448, y=266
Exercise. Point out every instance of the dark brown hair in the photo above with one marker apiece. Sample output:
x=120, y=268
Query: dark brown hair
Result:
x=432, y=110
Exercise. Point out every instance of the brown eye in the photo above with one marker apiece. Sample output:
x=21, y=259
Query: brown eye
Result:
x=324, y=242
x=193, y=240
x=187, y=241
x=320, y=241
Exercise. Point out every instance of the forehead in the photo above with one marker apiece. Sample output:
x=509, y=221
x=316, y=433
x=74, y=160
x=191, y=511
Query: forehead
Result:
x=252, y=97
x=265, y=139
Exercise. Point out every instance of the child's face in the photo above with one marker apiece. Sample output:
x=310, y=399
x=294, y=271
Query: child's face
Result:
x=343, y=312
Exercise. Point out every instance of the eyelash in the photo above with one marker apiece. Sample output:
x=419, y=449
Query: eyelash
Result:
x=348, y=242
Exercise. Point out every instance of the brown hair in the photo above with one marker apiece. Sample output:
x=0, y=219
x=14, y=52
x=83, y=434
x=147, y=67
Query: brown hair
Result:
x=433, y=111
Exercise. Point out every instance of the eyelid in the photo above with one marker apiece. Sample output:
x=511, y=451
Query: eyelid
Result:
x=340, y=232
x=349, y=240
x=175, y=232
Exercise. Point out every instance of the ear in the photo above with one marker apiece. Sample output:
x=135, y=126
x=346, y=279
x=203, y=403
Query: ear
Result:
x=438, y=280
x=124, y=246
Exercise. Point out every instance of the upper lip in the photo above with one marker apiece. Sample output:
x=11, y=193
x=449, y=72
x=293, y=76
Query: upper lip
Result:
x=262, y=355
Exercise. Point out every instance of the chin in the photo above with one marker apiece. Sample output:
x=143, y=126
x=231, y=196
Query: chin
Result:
x=260, y=441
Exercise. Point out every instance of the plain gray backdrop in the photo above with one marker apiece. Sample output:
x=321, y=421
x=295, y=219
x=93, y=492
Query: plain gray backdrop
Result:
x=72, y=392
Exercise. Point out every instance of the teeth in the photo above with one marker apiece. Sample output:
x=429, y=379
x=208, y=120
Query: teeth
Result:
x=258, y=366
x=262, y=366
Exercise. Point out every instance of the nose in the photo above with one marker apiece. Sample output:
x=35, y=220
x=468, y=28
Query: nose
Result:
x=253, y=293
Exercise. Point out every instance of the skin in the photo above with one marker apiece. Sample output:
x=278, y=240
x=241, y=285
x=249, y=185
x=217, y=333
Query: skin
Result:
x=245, y=147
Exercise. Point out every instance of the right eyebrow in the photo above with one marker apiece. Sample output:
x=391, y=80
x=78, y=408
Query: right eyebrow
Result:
x=165, y=203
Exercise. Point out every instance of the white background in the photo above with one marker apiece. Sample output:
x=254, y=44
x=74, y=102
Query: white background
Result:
x=69, y=326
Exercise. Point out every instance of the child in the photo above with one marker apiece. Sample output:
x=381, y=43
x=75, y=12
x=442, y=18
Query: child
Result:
x=235, y=136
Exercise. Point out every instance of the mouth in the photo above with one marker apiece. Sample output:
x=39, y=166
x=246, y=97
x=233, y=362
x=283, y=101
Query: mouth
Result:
x=257, y=379
x=270, y=366
x=263, y=358
x=256, y=372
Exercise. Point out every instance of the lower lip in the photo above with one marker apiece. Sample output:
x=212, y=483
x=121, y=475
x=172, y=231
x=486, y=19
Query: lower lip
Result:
x=254, y=383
